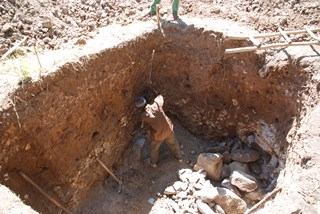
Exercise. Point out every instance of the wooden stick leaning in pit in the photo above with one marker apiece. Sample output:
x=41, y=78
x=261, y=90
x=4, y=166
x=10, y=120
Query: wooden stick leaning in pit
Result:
x=109, y=171
x=264, y=200
x=35, y=50
x=44, y=193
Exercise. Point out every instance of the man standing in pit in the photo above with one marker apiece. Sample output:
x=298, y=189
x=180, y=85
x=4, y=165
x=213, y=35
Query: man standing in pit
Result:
x=175, y=8
x=161, y=128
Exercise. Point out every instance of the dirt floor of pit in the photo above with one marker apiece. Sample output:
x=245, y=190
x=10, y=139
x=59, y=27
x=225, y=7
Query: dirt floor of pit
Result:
x=141, y=181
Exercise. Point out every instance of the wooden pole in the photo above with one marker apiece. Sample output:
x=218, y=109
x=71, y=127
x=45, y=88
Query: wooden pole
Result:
x=264, y=200
x=284, y=35
x=262, y=47
x=266, y=35
x=158, y=14
x=35, y=50
x=312, y=34
x=150, y=67
x=44, y=193
x=110, y=172
x=254, y=41
x=13, y=48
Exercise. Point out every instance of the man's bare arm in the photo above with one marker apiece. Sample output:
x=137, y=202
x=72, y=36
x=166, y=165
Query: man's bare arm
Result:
x=159, y=99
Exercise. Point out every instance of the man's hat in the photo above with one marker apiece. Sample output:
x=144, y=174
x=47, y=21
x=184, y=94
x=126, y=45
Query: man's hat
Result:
x=140, y=102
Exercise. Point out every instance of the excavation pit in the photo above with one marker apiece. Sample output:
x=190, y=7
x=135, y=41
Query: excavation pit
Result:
x=54, y=130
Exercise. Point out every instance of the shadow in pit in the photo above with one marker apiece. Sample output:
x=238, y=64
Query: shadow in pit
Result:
x=317, y=54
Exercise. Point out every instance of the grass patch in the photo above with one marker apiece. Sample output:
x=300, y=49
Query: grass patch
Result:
x=23, y=68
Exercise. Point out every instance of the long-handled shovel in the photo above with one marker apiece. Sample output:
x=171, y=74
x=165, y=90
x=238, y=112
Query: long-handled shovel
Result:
x=112, y=175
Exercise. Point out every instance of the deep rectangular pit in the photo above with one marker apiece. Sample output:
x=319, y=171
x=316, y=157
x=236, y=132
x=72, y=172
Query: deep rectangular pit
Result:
x=56, y=128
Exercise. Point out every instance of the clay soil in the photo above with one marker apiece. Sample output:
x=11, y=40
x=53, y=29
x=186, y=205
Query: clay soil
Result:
x=63, y=25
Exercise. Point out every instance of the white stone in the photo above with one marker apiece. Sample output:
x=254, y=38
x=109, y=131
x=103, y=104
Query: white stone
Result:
x=255, y=195
x=196, y=177
x=151, y=201
x=266, y=137
x=204, y=208
x=207, y=194
x=243, y=181
x=184, y=174
x=211, y=163
x=180, y=186
x=230, y=202
x=182, y=195
x=174, y=205
x=170, y=191
x=227, y=184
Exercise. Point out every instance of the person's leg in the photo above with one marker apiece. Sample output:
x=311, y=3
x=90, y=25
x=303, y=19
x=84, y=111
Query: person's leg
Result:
x=175, y=7
x=153, y=7
x=174, y=146
x=154, y=152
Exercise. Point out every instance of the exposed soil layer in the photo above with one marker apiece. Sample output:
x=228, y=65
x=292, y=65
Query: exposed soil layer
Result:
x=56, y=128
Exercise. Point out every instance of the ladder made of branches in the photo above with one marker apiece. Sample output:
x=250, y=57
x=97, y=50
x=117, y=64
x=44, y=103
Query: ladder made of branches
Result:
x=312, y=37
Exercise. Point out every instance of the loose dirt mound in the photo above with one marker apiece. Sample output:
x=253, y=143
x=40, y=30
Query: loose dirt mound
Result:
x=52, y=24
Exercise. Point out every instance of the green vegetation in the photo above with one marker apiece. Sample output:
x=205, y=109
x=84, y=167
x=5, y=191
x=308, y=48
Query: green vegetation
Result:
x=24, y=70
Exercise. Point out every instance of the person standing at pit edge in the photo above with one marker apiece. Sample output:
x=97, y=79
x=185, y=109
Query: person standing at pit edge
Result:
x=161, y=128
x=175, y=8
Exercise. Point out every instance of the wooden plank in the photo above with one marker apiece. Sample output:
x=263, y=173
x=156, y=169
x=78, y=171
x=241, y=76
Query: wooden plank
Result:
x=254, y=41
x=44, y=193
x=312, y=34
x=266, y=35
x=284, y=35
x=268, y=46
x=13, y=48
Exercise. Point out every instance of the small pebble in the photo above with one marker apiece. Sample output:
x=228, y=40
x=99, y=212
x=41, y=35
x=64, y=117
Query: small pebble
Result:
x=151, y=201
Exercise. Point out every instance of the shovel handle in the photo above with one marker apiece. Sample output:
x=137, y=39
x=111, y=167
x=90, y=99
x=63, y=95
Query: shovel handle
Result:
x=110, y=172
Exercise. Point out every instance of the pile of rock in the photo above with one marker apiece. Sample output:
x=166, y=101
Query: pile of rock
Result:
x=51, y=24
x=234, y=155
x=225, y=182
x=194, y=194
